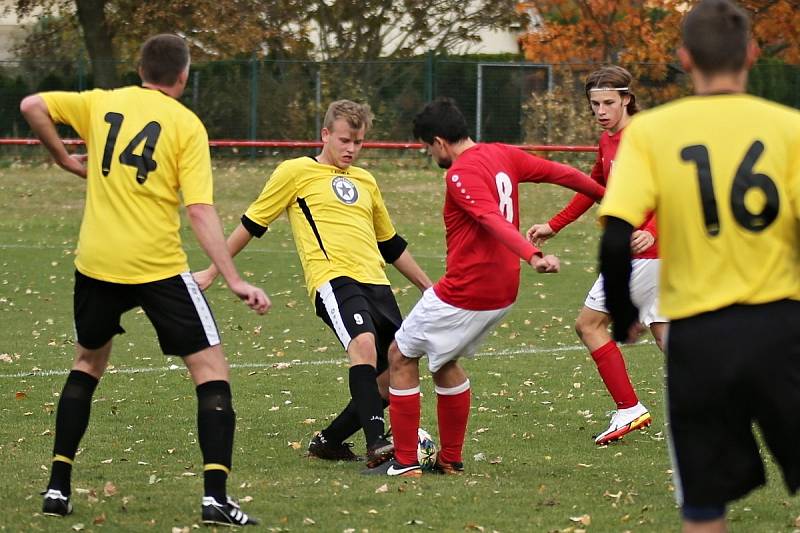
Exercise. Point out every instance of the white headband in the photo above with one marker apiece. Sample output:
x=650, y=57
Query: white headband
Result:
x=596, y=89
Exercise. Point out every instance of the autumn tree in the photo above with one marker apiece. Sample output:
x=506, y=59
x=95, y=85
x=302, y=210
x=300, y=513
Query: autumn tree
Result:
x=112, y=30
x=629, y=31
x=370, y=29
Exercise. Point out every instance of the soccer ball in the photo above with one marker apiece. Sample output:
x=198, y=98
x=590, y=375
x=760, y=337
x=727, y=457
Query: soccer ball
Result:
x=426, y=449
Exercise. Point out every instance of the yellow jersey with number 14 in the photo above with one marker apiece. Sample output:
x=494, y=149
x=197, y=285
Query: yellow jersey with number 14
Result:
x=143, y=147
x=722, y=173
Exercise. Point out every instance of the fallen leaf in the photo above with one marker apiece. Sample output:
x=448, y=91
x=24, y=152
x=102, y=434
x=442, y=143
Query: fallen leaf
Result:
x=77, y=527
x=99, y=519
x=308, y=521
x=382, y=488
x=584, y=520
x=19, y=395
x=295, y=445
x=109, y=489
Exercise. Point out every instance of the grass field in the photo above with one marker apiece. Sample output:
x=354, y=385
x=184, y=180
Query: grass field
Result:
x=531, y=464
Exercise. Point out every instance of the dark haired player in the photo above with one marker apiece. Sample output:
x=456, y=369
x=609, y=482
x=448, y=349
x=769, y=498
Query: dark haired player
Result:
x=144, y=147
x=721, y=169
x=612, y=101
x=480, y=284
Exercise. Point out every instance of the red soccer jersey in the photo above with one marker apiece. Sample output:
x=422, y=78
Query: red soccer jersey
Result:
x=600, y=172
x=481, y=218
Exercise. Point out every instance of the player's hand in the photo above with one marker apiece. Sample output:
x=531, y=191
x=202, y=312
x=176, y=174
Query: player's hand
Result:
x=76, y=164
x=538, y=233
x=547, y=264
x=204, y=278
x=255, y=298
x=641, y=240
x=632, y=334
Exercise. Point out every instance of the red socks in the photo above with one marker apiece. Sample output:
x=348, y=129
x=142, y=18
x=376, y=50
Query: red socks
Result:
x=611, y=367
x=452, y=411
x=404, y=411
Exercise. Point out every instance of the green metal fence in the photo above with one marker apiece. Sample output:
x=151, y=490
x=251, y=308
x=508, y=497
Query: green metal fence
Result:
x=503, y=101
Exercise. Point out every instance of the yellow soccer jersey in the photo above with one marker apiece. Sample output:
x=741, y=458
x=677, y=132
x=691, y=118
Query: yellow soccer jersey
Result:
x=144, y=147
x=722, y=173
x=337, y=218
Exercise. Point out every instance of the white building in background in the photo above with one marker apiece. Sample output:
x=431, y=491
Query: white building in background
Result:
x=11, y=29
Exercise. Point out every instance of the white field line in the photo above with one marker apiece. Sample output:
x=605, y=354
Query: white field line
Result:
x=282, y=365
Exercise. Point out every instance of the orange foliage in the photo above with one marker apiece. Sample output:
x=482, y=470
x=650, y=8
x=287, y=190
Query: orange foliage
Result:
x=636, y=31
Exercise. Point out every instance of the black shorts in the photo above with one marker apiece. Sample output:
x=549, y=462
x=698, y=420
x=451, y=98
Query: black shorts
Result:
x=726, y=370
x=175, y=306
x=351, y=308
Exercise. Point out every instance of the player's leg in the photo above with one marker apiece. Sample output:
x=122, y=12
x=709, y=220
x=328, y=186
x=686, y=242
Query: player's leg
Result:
x=347, y=307
x=72, y=419
x=366, y=397
x=186, y=328
x=659, y=332
x=592, y=328
x=721, y=376
x=453, y=397
x=404, y=404
x=97, y=307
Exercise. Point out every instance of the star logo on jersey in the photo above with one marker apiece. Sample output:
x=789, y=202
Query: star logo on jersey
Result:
x=344, y=190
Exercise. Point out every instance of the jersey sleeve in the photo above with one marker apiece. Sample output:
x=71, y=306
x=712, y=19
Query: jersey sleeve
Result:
x=70, y=108
x=631, y=193
x=535, y=169
x=579, y=204
x=278, y=193
x=194, y=166
x=384, y=230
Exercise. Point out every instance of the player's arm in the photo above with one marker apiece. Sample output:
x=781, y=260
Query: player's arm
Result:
x=395, y=251
x=208, y=229
x=538, y=170
x=615, y=267
x=643, y=239
x=37, y=114
x=576, y=207
x=275, y=196
x=235, y=243
x=505, y=232
x=474, y=197
x=393, y=247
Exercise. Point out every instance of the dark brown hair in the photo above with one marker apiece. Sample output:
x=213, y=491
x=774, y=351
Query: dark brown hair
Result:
x=716, y=34
x=162, y=59
x=612, y=77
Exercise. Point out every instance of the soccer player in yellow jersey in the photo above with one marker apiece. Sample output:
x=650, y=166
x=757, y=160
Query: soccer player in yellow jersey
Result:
x=144, y=147
x=722, y=171
x=344, y=238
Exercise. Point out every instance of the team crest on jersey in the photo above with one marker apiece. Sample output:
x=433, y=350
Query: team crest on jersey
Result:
x=345, y=190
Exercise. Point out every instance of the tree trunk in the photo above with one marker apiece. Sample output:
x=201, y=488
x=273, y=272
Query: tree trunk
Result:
x=97, y=36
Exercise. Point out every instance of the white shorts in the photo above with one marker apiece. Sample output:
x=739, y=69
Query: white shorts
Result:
x=644, y=291
x=443, y=332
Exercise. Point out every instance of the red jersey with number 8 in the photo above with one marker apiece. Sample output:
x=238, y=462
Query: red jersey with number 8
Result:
x=481, y=218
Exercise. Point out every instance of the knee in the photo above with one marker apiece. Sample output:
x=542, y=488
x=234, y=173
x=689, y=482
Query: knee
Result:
x=396, y=357
x=362, y=350
x=583, y=327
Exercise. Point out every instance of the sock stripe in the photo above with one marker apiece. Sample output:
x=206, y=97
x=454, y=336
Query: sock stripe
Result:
x=216, y=466
x=404, y=392
x=452, y=391
x=62, y=458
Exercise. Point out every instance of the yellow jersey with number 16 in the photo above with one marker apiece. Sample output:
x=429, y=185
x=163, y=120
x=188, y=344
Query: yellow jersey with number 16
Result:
x=144, y=148
x=722, y=173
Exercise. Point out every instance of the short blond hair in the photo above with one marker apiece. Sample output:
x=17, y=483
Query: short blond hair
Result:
x=357, y=115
